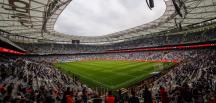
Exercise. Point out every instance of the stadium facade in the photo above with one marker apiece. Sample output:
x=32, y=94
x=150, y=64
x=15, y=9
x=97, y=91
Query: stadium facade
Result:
x=174, y=56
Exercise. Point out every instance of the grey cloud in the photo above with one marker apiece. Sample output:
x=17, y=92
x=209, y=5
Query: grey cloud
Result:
x=101, y=17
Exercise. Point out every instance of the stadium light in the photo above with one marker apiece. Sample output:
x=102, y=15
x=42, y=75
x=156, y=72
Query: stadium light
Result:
x=150, y=4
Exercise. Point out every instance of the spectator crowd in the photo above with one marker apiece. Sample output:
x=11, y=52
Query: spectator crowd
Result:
x=139, y=42
x=34, y=79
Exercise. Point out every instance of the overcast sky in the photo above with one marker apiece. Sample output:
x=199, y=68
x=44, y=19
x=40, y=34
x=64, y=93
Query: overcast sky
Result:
x=102, y=17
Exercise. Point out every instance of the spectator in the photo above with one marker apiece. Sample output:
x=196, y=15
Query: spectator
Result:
x=163, y=95
x=186, y=93
x=84, y=96
x=120, y=97
x=147, y=95
x=97, y=98
x=133, y=98
x=110, y=98
x=69, y=97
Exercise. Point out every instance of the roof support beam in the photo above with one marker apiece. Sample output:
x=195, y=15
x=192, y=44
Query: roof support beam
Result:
x=20, y=7
x=19, y=20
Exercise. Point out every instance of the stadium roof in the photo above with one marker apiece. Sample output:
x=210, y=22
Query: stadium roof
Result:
x=34, y=20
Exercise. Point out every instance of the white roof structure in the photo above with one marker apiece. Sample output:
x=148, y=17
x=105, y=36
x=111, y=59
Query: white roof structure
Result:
x=34, y=20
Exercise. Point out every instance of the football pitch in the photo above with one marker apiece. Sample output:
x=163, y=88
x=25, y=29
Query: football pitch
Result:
x=112, y=74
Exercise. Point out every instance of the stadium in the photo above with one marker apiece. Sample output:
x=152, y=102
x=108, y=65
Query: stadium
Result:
x=108, y=51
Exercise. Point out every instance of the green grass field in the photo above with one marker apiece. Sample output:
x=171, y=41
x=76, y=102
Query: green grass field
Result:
x=111, y=74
